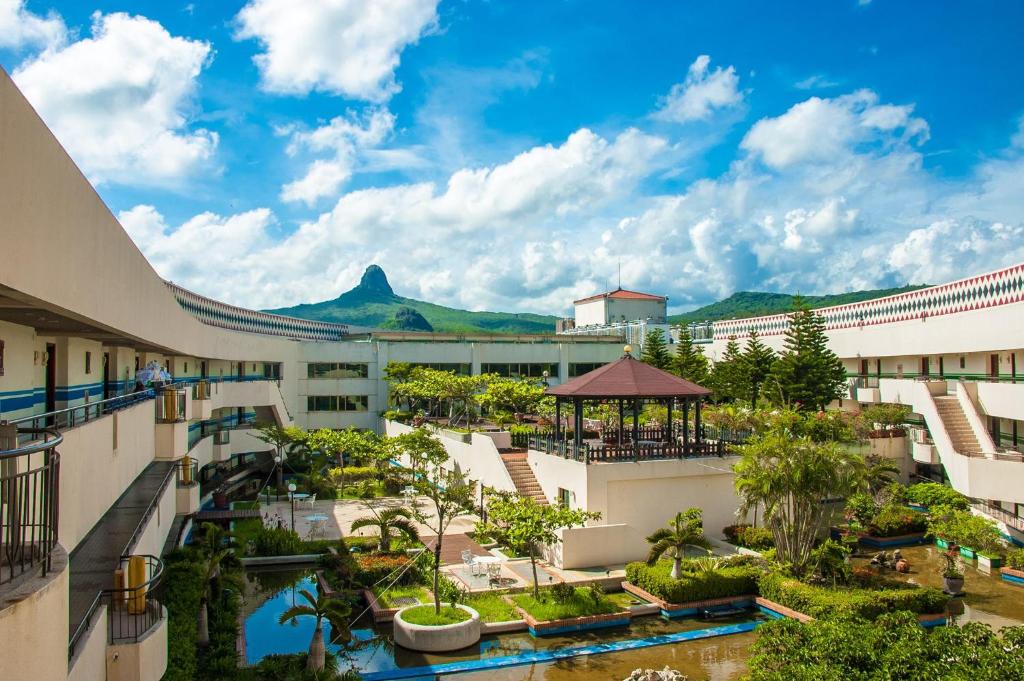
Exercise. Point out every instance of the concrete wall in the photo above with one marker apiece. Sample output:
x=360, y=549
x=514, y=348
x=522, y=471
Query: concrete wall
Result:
x=94, y=473
x=34, y=626
x=90, y=661
x=599, y=545
x=142, y=661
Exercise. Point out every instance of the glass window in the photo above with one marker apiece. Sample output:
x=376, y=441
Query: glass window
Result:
x=337, y=403
x=336, y=370
x=521, y=369
x=581, y=368
x=460, y=369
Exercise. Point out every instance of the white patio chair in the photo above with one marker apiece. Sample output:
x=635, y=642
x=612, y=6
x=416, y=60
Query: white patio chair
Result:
x=311, y=500
x=469, y=561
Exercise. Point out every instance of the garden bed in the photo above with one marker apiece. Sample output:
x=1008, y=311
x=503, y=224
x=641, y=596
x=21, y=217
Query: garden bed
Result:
x=1012, y=576
x=693, y=586
x=580, y=613
x=384, y=610
x=689, y=608
x=869, y=603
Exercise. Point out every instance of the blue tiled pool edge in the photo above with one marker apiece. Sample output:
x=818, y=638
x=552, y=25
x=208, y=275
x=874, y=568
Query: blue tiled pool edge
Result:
x=542, y=656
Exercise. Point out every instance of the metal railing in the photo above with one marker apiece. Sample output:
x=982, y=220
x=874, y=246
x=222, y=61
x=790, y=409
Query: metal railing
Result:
x=29, y=503
x=222, y=437
x=170, y=404
x=867, y=382
x=62, y=419
x=201, y=390
x=150, y=509
x=186, y=473
x=597, y=452
x=1014, y=521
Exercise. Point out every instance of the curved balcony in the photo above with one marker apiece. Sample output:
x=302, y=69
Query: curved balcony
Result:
x=29, y=495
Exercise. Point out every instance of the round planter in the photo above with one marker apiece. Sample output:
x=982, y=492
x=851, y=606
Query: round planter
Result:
x=953, y=586
x=437, y=639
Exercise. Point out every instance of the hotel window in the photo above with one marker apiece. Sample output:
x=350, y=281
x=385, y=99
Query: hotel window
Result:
x=520, y=370
x=963, y=362
x=88, y=362
x=460, y=369
x=337, y=370
x=564, y=497
x=337, y=403
x=583, y=368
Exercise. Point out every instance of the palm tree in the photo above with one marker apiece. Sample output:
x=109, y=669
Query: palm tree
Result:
x=320, y=607
x=387, y=521
x=686, y=529
x=880, y=473
x=216, y=556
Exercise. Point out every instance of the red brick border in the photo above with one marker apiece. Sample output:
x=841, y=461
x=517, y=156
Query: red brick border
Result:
x=381, y=614
x=665, y=605
x=1012, y=572
x=783, y=610
x=541, y=625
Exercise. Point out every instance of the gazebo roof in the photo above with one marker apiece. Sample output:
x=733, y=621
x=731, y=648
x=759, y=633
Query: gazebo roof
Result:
x=628, y=377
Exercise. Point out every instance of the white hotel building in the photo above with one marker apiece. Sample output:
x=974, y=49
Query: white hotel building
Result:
x=81, y=309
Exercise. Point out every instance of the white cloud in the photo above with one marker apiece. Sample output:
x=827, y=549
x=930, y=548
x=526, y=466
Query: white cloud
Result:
x=815, y=82
x=120, y=100
x=21, y=28
x=823, y=130
x=344, y=137
x=950, y=249
x=703, y=91
x=343, y=47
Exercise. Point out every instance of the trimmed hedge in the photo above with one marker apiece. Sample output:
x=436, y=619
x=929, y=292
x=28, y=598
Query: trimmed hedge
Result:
x=693, y=586
x=180, y=593
x=824, y=602
x=929, y=494
x=1015, y=559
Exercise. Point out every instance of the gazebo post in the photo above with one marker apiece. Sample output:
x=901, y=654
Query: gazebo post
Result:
x=668, y=433
x=636, y=420
x=577, y=404
x=558, y=418
x=686, y=426
x=698, y=435
x=621, y=422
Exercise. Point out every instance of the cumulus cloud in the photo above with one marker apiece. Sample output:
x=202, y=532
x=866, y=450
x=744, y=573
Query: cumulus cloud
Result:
x=21, y=28
x=119, y=123
x=342, y=47
x=820, y=130
x=703, y=91
x=344, y=137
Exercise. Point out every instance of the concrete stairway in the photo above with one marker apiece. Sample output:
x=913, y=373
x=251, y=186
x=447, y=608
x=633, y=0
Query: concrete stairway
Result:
x=522, y=476
x=959, y=429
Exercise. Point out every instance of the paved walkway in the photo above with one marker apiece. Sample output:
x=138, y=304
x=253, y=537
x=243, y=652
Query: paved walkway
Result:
x=98, y=555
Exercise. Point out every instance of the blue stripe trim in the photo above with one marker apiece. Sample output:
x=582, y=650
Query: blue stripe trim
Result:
x=622, y=622
x=1012, y=579
x=543, y=656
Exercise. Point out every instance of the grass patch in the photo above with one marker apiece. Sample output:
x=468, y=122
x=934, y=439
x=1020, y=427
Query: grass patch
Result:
x=580, y=605
x=387, y=598
x=492, y=607
x=424, y=615
x=624, y=599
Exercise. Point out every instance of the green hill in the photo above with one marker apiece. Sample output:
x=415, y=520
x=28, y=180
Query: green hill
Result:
x=373, y=303
x=743, y=304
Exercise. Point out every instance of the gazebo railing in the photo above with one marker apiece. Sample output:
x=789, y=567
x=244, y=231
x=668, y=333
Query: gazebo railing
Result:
x=590, y=452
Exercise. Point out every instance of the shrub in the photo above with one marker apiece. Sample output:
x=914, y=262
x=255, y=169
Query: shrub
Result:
x=732, y=532
x=1015, y=559
x=756, y=538
x=929, y=494
x=358, y=473
x=180, y=593
x=965, y=529
x=693, y=586
x=825, y=602
x=860, y=507
x=276, y=541
x=374, y=567
x=562, y=592
x=892, y=521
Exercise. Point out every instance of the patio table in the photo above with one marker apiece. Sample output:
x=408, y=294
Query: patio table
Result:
x=316, y=518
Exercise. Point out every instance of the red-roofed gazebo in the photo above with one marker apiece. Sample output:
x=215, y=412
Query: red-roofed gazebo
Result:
x=628, y=381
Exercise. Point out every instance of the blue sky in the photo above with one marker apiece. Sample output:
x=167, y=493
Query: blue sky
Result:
x=496, y=155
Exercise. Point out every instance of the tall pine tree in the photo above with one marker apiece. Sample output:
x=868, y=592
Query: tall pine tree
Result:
x=757, y=361
x=809, y=375
x=727, y=374
x=655, y=351
x=690, y=362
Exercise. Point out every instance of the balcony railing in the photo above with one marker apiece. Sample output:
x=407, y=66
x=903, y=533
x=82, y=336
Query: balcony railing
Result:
x=1014, y=521
x=186, y=472
x=29, y=503
x=170, y=404
x=201, y=390
x=132, y=607
x=715, y=442
x=62, y=419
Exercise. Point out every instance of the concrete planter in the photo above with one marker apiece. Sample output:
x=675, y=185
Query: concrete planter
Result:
x=437, y=639
x=1012, y=576
x=953, y=585
x=990, y=563
x=967, y=552
x=890, y=542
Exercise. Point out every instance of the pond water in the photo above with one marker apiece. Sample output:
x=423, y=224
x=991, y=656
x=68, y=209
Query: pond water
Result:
x=722, y=658
x=988, y=598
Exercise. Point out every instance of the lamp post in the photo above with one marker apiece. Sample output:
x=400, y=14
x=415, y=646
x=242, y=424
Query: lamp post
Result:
x=291, y=497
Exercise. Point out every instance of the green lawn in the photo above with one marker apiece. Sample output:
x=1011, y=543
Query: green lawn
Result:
x=492, y=607
x=424, y=615
x=386, y=599
x=580, y=605
x=624, y=599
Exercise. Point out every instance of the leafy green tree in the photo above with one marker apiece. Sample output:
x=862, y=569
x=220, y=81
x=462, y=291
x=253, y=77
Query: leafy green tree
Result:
x=808, y=374
x=511, y=395
x=686, y=529
x=449, y=493
x=727, y=374
x=217, y=563
x=689, y=361
x=655, y=351
x=790, y=478
x=358, y=445
x=321, y=607
x=524, y=524
x=880, y=473
x=388, y=521
x=280, y=437
x=756, y=364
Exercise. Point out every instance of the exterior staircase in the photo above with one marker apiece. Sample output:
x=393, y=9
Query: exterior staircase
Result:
x=522, y=476
x=959, y=429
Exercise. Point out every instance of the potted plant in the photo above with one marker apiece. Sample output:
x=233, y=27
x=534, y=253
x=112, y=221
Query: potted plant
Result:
x=952, y=574
x=220, y=497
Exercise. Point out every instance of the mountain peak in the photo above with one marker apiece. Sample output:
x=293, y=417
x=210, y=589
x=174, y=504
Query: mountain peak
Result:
x=375, y=281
